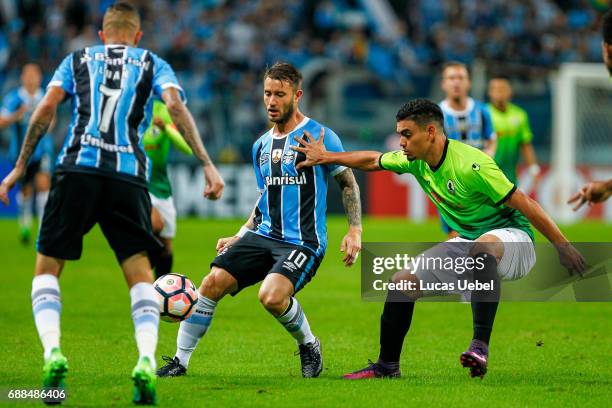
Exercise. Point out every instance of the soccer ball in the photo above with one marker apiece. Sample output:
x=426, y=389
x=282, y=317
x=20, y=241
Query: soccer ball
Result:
x=177, y=297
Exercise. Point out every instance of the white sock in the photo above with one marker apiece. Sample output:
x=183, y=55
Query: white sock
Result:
x=145, y=314
x=46, y=305
x=295, y=322
x=192, y=329
x=25, y=211
x=41, y=201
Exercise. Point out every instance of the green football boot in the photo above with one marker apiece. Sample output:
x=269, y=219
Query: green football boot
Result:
x=54, y=372
x=144, y=379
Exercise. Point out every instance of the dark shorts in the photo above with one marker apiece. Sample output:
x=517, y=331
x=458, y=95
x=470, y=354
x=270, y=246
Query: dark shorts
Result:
x=253, y=257
x=78, y=201
x=33, y=168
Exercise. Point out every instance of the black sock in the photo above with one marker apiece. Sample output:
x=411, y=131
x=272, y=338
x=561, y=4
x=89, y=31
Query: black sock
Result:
x=394, y=324
x=164, y=265
x=484, y=303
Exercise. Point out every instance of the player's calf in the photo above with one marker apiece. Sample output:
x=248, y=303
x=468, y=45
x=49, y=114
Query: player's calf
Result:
x=275, y=297
x=214, y=286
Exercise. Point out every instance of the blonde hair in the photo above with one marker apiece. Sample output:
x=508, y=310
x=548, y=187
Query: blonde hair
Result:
x=121, y=17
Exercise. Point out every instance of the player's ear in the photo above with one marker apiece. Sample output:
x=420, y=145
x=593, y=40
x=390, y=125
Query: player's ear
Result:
x=298, y=94
x=431, y=131
x=138, y=37
x=102, y=36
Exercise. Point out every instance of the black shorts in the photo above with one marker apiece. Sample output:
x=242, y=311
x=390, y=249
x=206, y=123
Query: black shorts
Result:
x=33, y=168
x=78, y=201
x=253, y=257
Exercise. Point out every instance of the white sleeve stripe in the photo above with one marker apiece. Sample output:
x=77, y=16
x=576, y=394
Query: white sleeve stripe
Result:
x=171, y=85
x=55, y=83
x=337, y=170
x=175, y=86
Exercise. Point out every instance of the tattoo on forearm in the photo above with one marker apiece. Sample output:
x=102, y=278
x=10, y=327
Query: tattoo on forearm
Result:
x=186, y=126
x=36, y=129
x=350, y=196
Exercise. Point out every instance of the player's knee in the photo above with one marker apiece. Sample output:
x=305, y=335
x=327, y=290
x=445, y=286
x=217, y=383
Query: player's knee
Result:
x=43, y=182
x=489, y=245
x=409, y=281
x=272, y=300
x=216, y=284
x=48, y=266
x=157, y=223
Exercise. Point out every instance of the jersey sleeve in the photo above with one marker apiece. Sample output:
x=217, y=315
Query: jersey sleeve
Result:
x=164, y=77
x=488, y=133
x=10, y=104
x=63, y=77
x=488, y=178
x=258, y=176
x=395, y=161
x=526, y=134
x=333, y=144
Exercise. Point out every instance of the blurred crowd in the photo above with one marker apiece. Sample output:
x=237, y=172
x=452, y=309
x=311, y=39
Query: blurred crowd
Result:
x=219, y=48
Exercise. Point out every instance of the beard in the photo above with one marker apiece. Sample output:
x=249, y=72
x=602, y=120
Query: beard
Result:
x=289, y=109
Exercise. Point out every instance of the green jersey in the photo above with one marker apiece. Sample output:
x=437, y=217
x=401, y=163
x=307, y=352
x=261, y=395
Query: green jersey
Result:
x=466, y=186
x=157, y=146
x=512, y=129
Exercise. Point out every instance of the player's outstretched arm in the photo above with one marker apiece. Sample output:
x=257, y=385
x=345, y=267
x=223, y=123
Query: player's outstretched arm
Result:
x=316, y=154
x=593, y=192
x=41, y=118
x=351, y=243
x=186, y=126
x=570, y=257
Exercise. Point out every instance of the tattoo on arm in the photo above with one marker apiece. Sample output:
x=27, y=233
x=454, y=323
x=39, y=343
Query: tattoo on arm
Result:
x=350, y=196
x=36, y=129
x=41, y=119
x=186, y=126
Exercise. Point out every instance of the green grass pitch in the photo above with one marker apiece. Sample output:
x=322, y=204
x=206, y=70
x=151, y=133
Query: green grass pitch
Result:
x=247, y=359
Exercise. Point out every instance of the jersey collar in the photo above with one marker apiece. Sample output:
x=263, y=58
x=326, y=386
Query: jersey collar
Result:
x=437, y=166
x=299, y=126
x=25, y=95
x=468, y=107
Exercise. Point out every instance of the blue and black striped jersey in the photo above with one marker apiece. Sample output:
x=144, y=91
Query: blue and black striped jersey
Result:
x=472, y=126
x=292, y=207
x=13, y=102
x=112, y=88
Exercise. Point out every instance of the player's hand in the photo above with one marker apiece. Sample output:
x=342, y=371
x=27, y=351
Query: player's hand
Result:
x=313, y=149
x=214, y=183
x=351, y=245
x=571, y=259
x=159, y=122
x=224, y=243
x=593, y=192
x=9, y=181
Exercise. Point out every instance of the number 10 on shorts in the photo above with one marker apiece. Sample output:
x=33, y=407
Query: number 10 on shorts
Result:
x=297, y=258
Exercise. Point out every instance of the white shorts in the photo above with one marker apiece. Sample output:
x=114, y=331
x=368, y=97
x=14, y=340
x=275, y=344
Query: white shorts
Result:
x=167, y=211
x=518, y=259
